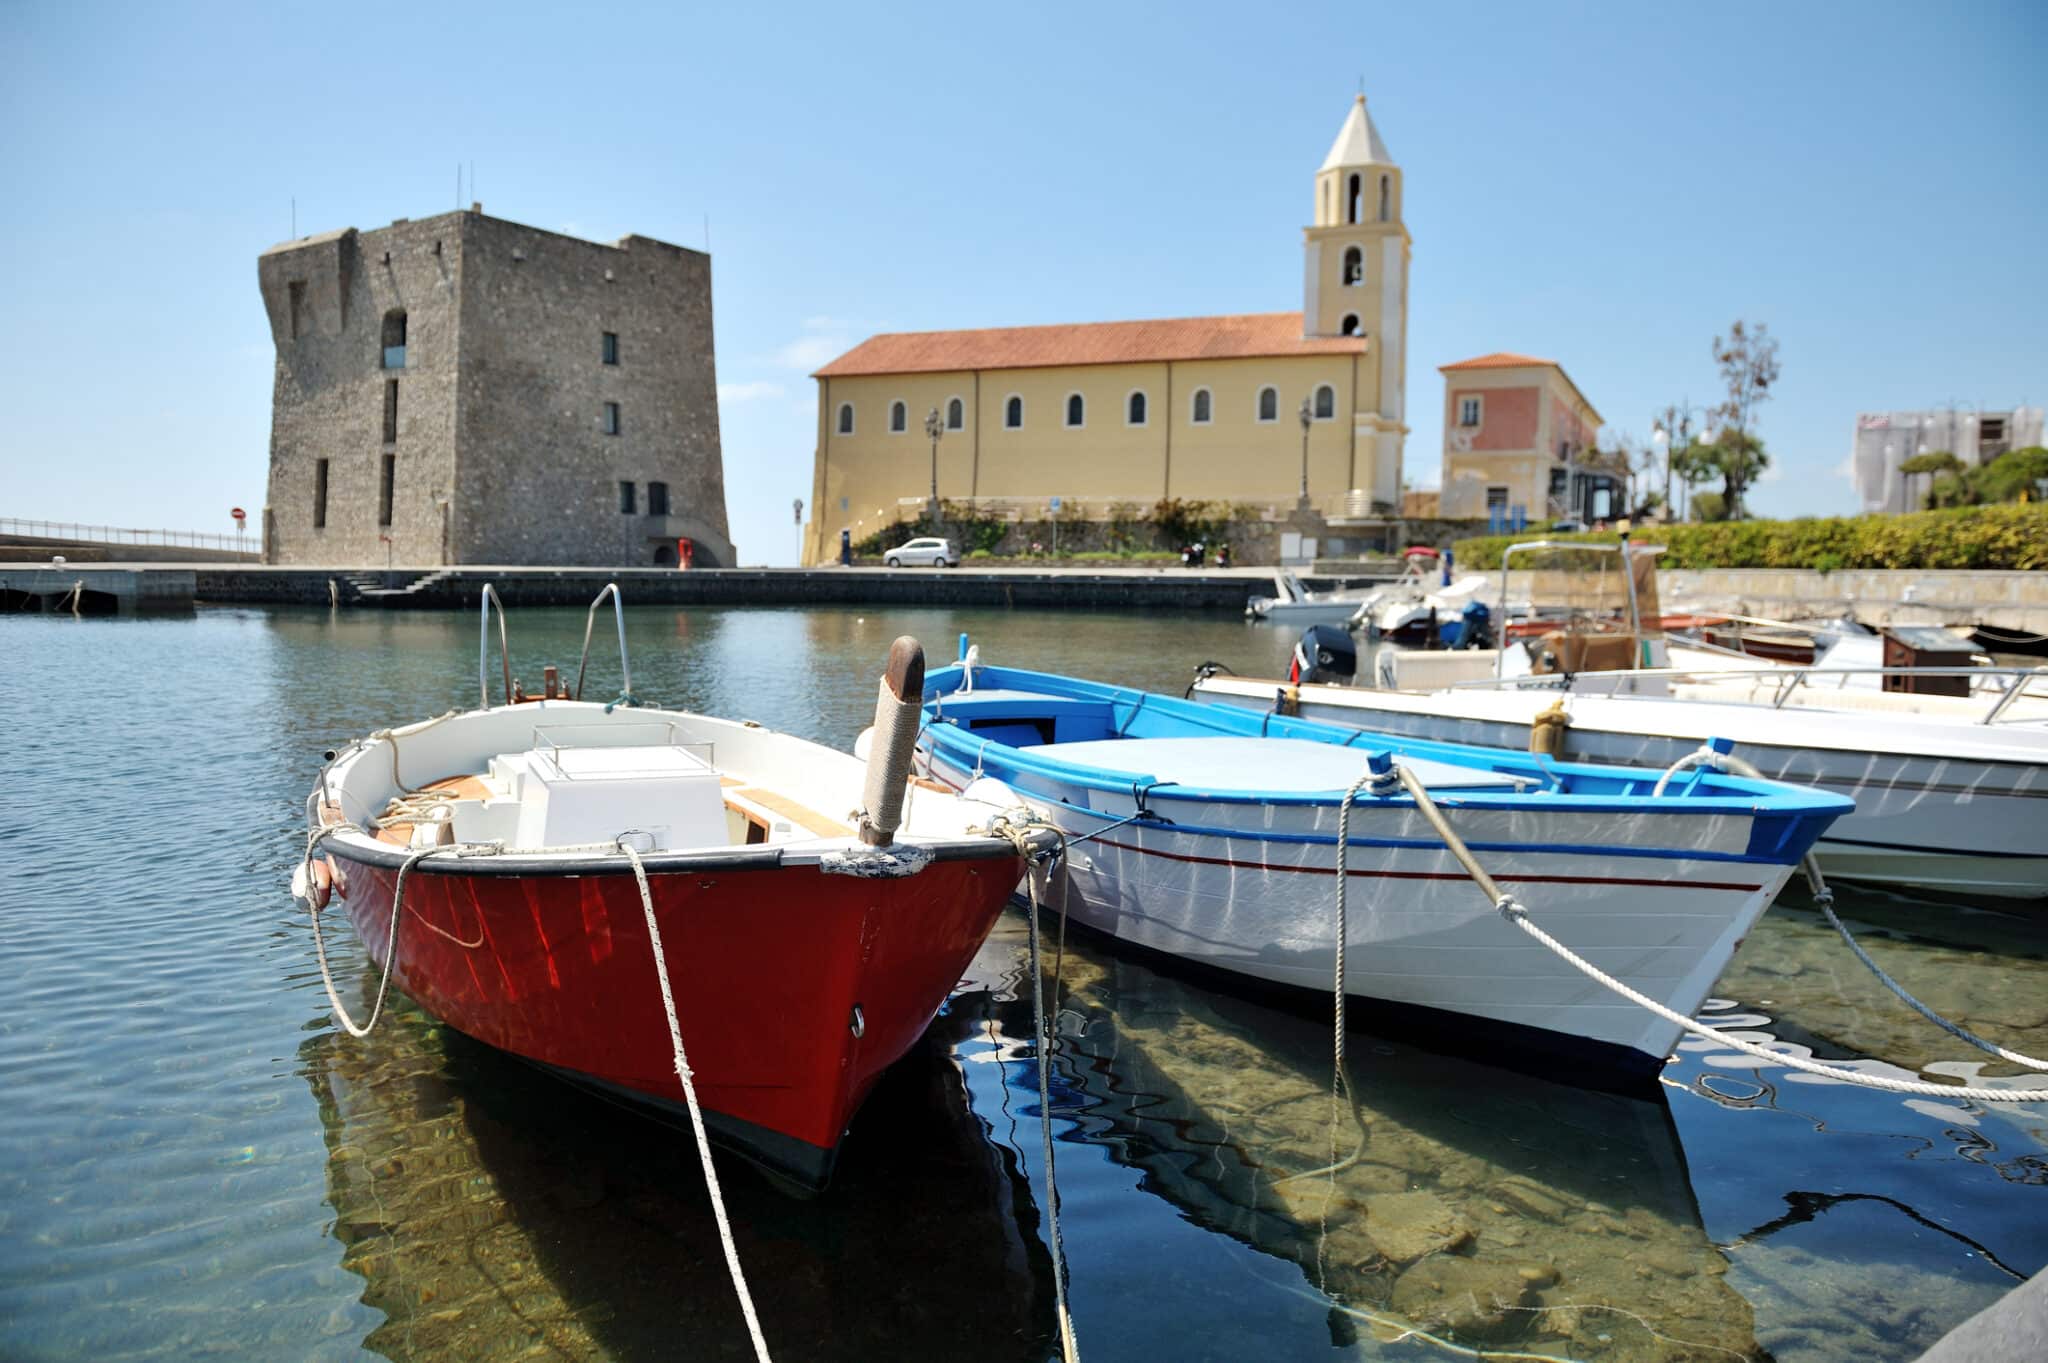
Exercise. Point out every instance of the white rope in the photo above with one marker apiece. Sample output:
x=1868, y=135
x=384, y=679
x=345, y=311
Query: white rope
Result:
x=348, y=1023
x=1825, y=897
x=675, y=1038
x=1515, y=913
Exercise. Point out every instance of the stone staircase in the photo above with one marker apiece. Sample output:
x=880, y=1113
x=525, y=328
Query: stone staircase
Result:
x=370, y=589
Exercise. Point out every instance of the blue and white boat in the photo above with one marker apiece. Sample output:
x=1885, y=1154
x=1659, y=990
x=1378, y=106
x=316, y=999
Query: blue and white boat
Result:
x=1211, y=834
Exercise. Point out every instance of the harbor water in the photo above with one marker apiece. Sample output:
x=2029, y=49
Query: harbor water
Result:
x=195, y=1162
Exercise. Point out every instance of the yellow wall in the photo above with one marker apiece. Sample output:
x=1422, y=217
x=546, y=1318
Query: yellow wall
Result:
x=1234, y=457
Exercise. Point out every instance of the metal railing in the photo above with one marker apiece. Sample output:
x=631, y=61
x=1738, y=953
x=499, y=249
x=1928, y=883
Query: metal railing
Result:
x=611, y=589
x=1355, y=504
x=1782, y=682
x=114, y=534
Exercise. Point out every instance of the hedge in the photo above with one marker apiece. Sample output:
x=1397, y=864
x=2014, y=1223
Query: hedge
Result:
x=2012, y=535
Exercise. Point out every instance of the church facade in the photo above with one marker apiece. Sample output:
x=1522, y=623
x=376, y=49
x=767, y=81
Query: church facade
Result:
x=1241, y=409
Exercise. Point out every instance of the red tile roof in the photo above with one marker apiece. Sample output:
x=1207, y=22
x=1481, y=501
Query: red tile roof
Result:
x=1499, y=359
x=1177, y=338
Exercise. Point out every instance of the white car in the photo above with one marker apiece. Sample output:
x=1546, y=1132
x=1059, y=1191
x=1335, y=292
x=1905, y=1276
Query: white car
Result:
x=934, y=552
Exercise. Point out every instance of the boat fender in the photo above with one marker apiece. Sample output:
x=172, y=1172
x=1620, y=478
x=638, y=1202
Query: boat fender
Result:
x=899, y=703
x=337, y=878
x=1287, y=700
x=1546, y=730
x=314, y=883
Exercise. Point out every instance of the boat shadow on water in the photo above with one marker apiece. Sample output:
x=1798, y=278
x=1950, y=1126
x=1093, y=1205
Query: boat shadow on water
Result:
x=494, y=1211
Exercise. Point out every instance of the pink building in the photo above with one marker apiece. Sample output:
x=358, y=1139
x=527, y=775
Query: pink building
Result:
x=1514, y=429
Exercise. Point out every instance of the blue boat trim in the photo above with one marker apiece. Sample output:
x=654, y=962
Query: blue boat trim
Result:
x=1936, y=851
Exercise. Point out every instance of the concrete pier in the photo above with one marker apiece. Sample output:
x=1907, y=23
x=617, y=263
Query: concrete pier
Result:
x=94, y=589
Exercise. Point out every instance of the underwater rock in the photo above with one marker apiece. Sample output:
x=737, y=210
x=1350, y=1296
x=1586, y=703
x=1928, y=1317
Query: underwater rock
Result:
x=1531, y=1199
x=1470, y=1297
x=1314, y=1202
x=1406, y=1226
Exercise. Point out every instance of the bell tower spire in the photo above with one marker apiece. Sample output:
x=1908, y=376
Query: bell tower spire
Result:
x=1356, y=284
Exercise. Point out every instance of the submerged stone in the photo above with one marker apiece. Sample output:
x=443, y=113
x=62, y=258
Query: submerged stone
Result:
x=1470, y=1297
x=1407, y=1226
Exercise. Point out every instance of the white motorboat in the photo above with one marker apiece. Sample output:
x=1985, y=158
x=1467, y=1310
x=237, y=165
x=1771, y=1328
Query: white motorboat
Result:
x=1297, y=606
x=1216, y=836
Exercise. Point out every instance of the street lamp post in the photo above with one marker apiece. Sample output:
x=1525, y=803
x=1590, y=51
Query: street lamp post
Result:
x=1673, y=430
x=1307, y=416
x=934, y=428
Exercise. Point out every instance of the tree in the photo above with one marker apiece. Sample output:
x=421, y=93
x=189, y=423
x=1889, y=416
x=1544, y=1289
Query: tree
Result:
x=1748, y=357
x=1693, y=466
x=1934, y=461
x=2011, y=476
x=1738, y=459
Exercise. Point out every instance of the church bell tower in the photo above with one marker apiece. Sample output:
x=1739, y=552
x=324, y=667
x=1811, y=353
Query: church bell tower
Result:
x=1356, y=284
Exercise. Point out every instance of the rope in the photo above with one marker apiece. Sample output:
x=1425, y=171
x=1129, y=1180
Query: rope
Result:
x=675, y=1038
x=348, y=1023
x=1825, y=898
x=1516, y=914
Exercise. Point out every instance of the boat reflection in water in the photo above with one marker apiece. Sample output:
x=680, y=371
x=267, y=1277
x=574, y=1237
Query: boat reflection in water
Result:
x=494, y=1212
x=1489, y=1209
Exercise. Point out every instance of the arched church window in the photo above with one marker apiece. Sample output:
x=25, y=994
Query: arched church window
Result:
x=1354, y=265
x=899, y=418
x=1269, y=404
x=846, y=418
x=1385, y=199
x=956, y=415
x=1077, y=410
x=1350, y=327
x=1134, y=410
x=1326, y=402
x=1013, y=413
x=1200, y=407
x=1351, y=196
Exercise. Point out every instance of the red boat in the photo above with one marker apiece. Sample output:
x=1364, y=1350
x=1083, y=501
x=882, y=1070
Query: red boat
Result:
x=806, y=948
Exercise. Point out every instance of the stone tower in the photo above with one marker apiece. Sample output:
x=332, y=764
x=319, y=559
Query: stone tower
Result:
x=1356, y=283
x=462, y=389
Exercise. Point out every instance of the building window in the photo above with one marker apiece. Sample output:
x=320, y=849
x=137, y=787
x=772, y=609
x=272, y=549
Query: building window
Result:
x=846, y=418
x=1386, y=200
x=1326, y=402
x=1468, y=411
x=608, y=349
x=1269, y=404
x=1496, y=499
x=1013, y=413
x=319, y=494
x=394, y=339
x=1200, y=407
x=1134, y=410
x=1354, y=265
x=657, y=499
x=611, y=418
x=629, y=502
x=956, y=414
x=1077, y=410
x=899, y=418
x=295, y=292
x=391, y=411
x=1351, y=193
x=1350, y=326
x=386, y=481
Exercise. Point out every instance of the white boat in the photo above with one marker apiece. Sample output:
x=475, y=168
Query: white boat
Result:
x=1214, y=836
x=1298, y=607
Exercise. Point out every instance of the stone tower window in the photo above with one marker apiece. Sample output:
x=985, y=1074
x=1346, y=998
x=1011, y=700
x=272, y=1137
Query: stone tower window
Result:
x=899, y=418
x=319, y=494
x=1326, y=402
x=846, y=418
x=657, y=499
x=1077, y=410
x=1354, y=265
x=608, y=348
x=1134, y=410
x=1013, y=413
x=1269, y=404
x=628, y=502
x=1386, y=202
x=295, y=292
x=1350, y=327
x=394, y=339
x=1200, y=408
x=1351, y=196
x=611, y=418
x=956, y=415
x=386, y=484
x=391, y=411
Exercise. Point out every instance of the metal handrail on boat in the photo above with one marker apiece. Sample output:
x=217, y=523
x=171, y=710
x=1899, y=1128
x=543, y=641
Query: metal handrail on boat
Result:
x=1787, y=679
x=483, y=648
x=611, y=589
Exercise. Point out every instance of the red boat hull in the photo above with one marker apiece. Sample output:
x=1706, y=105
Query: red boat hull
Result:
x=768, y=966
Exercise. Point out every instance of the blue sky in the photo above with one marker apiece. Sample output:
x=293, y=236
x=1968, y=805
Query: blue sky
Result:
x=1605, y=185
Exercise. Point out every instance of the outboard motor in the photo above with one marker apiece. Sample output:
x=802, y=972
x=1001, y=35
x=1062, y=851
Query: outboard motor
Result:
x=1324, y=654
x=1472, y=629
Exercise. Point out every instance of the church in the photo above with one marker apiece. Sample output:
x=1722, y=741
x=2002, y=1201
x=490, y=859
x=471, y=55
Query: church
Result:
x=1262, y=409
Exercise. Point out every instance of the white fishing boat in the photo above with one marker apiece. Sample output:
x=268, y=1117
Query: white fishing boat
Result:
x=1295, y=605
x=1217, y=837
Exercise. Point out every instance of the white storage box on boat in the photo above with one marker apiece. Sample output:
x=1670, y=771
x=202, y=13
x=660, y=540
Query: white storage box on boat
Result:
x=570, y=796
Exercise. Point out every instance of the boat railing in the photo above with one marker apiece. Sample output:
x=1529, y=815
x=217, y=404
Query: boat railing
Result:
x=1783, y=682
x=649, y=733
x=483, y=648
x=611, y=589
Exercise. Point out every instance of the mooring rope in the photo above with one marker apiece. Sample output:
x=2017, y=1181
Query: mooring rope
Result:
x=1518, y=915
x=348, y=1023
x=675, y=1038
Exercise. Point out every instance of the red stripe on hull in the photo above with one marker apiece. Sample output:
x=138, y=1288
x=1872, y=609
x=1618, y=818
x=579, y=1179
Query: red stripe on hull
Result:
x=767, y=967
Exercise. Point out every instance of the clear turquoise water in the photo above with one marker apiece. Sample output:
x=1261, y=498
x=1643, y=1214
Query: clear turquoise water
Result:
x=194, y=1162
